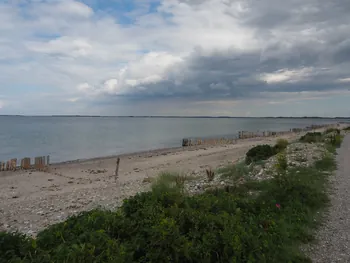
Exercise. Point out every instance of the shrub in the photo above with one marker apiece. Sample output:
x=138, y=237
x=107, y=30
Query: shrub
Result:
x=282, y=163
x=234, y=171
x=336, y=140
x=210, y=174
x=327, y=163
x=311, y=137
x=347, y=128
x=332, y=130
x=281, y=145
x=15, y=246
x=260, y=152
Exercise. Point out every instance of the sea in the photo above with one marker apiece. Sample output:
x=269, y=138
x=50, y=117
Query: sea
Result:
x=72, y=138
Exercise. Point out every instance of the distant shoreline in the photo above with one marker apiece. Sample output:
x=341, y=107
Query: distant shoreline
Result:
x=176, y=117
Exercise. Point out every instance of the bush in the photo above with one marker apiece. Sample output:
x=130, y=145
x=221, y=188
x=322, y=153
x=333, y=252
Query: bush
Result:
x=281, y=145
x=336, y=140
x=15, y=246
x=332, y=130
x=346, y=129
x=260, y=152
x=282, y=163
x=312, y=137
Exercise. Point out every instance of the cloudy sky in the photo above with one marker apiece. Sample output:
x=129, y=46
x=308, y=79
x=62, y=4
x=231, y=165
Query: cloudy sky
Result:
x=175, y=57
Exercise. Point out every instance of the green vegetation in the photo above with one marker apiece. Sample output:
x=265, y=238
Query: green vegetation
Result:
x=312, y=137
x=331, y=136
x=281, y=144
x=260, y=152
x=282, y=163
x=167, y=225
x=347, y=128
x=265, y=151
x=336, y=140
x=332, y=130
x=235, y=172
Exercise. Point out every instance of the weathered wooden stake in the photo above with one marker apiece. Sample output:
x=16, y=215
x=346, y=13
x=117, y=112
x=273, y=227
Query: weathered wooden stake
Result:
x=117, y=170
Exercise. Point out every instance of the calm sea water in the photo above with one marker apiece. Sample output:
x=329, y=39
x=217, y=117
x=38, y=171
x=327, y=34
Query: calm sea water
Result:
x=70, y=138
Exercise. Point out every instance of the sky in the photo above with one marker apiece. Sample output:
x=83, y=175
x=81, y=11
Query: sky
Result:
x=175, y=57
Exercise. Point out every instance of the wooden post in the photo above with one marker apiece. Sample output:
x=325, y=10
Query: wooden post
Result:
x=25, y=163
x=117, y=170
x=36, y=163
x=13, y=164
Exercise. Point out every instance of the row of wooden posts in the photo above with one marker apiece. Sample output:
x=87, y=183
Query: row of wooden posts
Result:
x=247, y=135
x=40, y=163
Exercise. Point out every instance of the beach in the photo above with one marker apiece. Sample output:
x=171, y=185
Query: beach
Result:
x=33, y=200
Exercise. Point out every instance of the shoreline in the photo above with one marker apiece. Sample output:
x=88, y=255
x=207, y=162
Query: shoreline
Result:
x=32, y=200
x=151, y=150
x=167, y=150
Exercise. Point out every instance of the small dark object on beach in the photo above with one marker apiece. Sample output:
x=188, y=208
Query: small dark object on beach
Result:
x=210, y=174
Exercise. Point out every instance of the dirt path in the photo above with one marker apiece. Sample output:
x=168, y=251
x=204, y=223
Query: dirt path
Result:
x=334, y=237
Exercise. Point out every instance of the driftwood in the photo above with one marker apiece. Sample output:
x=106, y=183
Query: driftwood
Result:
x=117, y=170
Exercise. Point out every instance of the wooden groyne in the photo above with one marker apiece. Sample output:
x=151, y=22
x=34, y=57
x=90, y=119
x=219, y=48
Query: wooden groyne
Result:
x=40, y=163
x=248, y=135
x=193, y=142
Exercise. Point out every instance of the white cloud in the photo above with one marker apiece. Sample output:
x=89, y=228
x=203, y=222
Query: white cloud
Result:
x=210, y=48
x=63, y=46
x=344, y=80
x=286, y=75
x=150, y=68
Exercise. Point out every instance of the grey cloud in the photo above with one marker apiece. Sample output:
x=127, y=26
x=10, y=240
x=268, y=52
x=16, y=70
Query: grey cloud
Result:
x=312, y=34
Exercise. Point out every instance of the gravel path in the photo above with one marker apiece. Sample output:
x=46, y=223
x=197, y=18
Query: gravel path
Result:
x=334, y=237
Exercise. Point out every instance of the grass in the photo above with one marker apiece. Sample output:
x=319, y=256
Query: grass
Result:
x=312, y=137
x=166, y=225
x=235, y=171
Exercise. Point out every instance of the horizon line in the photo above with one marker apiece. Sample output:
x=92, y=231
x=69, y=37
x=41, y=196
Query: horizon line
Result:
x=169, y=116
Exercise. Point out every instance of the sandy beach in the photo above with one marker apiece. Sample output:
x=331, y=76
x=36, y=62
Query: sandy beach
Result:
x=32, y=200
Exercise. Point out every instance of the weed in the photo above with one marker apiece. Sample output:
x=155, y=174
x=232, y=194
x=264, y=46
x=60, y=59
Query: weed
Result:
x=210, y=174
x=281, y=144
x=282, y=163
x=180, y=180
x=312, y=137
x=336, y=140
x=235, y=172
x=327, y=163
x=332, y=130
